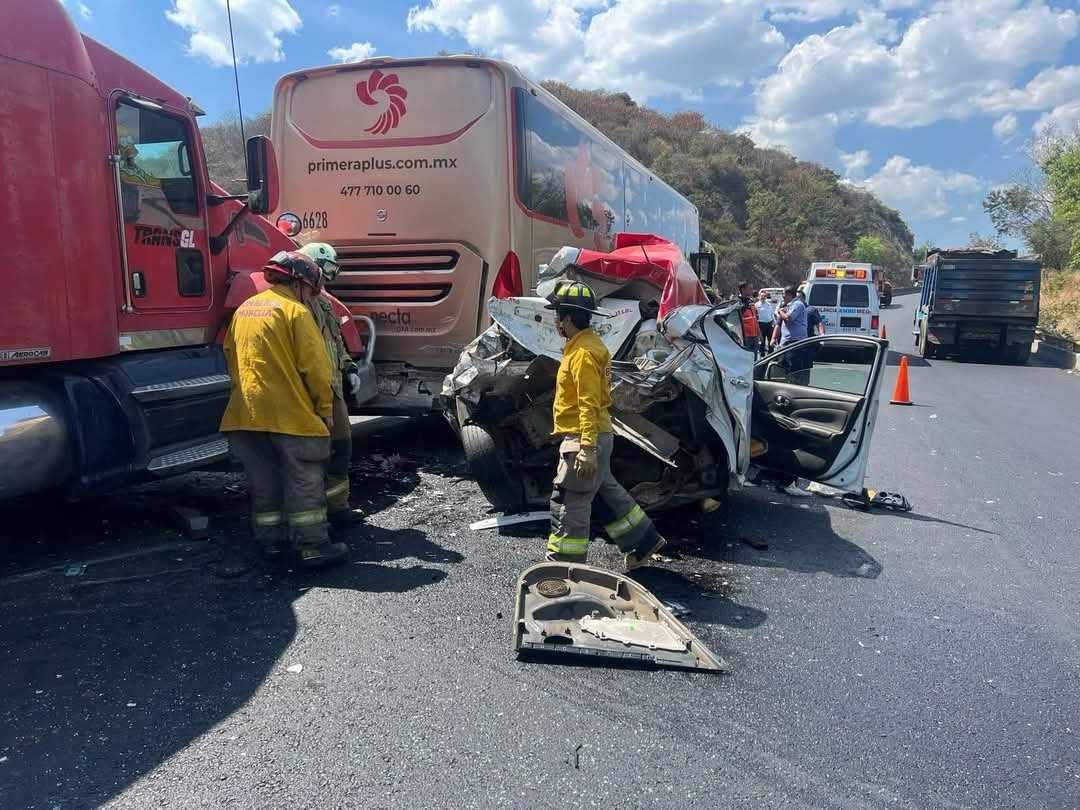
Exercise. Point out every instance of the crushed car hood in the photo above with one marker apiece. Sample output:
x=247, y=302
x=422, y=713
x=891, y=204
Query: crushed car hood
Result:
x=577, y=610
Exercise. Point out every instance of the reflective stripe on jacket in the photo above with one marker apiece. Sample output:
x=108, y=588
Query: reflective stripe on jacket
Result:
x=583, y=388
x=330, y=329
x=279, y=367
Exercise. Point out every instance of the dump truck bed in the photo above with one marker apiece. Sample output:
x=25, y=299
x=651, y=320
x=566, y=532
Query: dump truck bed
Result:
x=986, y=286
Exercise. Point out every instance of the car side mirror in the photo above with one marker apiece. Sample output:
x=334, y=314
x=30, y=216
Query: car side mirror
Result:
x=704, y=265
x=262, y=175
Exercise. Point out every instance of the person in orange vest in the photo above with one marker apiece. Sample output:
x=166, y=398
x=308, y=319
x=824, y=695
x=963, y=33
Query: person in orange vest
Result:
x=748, y=313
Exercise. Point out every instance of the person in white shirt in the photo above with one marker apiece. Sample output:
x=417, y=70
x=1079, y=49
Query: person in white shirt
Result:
x=765, y=316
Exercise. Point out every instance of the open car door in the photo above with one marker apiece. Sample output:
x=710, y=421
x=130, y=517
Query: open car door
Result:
x=814, y=407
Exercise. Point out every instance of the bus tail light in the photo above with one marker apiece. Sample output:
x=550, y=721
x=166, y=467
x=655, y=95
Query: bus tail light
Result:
x=508, y=281
x=874, y=321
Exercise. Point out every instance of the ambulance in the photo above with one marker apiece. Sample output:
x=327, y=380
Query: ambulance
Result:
x=846, y=296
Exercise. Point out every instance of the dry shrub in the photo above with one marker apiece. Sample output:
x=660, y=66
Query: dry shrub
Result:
x=1059, y=309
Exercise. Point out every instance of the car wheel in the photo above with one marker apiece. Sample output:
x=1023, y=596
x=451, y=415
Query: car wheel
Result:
x=503, y=490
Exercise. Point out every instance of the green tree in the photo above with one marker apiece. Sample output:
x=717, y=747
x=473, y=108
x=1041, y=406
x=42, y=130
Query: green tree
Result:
x=1063, y=180
x=922, y=251
x=869, y=249
x=1042, y=205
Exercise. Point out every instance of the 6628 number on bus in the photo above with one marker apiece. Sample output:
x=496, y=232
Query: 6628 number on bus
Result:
x=381, y=191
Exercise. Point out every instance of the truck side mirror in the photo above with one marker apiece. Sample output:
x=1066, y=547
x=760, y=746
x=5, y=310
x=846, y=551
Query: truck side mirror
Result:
x=704, y=265
x=262, y=175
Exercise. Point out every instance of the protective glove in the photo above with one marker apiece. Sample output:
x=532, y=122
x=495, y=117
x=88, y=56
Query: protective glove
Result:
x=586, y=462
x=352, y=379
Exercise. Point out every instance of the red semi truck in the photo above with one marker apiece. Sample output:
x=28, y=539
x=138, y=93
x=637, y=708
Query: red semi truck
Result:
x=121, y=265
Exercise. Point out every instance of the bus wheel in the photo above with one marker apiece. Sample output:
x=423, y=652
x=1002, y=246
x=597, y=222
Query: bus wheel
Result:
x=503, y=491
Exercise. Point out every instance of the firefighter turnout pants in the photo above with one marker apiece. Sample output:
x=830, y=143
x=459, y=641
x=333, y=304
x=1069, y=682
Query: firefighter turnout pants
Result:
x=286, y=484
x=572, y=501
x=337, y=468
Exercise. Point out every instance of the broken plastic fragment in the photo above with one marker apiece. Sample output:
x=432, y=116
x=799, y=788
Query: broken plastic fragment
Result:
x=295, y=669
x=573, y=609
x=509, y=520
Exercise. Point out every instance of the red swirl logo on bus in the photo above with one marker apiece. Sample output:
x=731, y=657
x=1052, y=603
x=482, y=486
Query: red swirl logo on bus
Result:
x=378, y=90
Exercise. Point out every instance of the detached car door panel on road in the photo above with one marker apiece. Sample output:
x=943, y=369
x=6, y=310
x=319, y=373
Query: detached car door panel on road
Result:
x=814, y=405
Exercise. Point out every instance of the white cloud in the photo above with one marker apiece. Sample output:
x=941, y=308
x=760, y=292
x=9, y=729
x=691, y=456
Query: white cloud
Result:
x=809, y=139
x=646, y=47
x=1005, y=127
x=957, y=60
x=257, y=28
x=919, y=191
x=855, y=163
x=1063, y=119
x=1049, y=88
x=85, y=12
x=958, y=219
x=333, y=10
x=357, y=52
x=812, y=10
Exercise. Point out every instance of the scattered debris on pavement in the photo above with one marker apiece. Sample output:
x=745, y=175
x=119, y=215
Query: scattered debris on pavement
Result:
x=192, y=522
x=500, y=521
x=878, y=499
x=573, y=609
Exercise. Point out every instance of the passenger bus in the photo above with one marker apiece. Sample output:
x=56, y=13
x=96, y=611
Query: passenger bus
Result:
x=444, y=181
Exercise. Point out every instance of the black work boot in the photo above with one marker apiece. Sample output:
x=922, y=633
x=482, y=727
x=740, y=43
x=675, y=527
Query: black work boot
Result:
x=641, y=556
x=322, y=555
x=273, y=546
x=345, y=518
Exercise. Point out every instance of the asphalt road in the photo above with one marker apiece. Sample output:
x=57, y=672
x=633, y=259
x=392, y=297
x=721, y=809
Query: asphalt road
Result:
x=922, y=660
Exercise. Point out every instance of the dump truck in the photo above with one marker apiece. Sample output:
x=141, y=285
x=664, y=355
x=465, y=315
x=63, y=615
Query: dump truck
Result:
x=123, y=262
x=977, y=301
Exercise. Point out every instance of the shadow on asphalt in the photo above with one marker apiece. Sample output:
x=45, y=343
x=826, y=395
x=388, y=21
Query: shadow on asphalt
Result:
x=107, y=677
x=798, y=539
x=110, y=671
x=914, y=360
x=915, y=516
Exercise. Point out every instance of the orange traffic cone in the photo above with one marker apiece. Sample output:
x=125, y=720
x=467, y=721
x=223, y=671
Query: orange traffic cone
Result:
x=882, y=334
x=900, y=395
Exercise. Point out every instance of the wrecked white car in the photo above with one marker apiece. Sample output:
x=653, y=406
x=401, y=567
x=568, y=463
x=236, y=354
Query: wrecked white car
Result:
x=693, y=414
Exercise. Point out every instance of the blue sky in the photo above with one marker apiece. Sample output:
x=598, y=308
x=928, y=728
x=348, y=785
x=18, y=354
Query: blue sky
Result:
x=928, y=104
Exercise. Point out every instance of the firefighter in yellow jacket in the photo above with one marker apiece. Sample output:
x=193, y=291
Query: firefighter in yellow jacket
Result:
x=343, y=372
x=280, y=412
x=582, y=419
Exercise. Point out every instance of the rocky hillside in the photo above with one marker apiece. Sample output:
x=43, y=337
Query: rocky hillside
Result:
x=767, y=214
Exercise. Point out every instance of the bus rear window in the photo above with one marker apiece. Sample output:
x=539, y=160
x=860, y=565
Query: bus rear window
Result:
x=822, y=295
x=855, y=295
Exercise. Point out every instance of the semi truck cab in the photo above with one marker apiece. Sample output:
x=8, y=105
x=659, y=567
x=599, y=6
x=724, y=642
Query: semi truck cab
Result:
x=123, y=263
